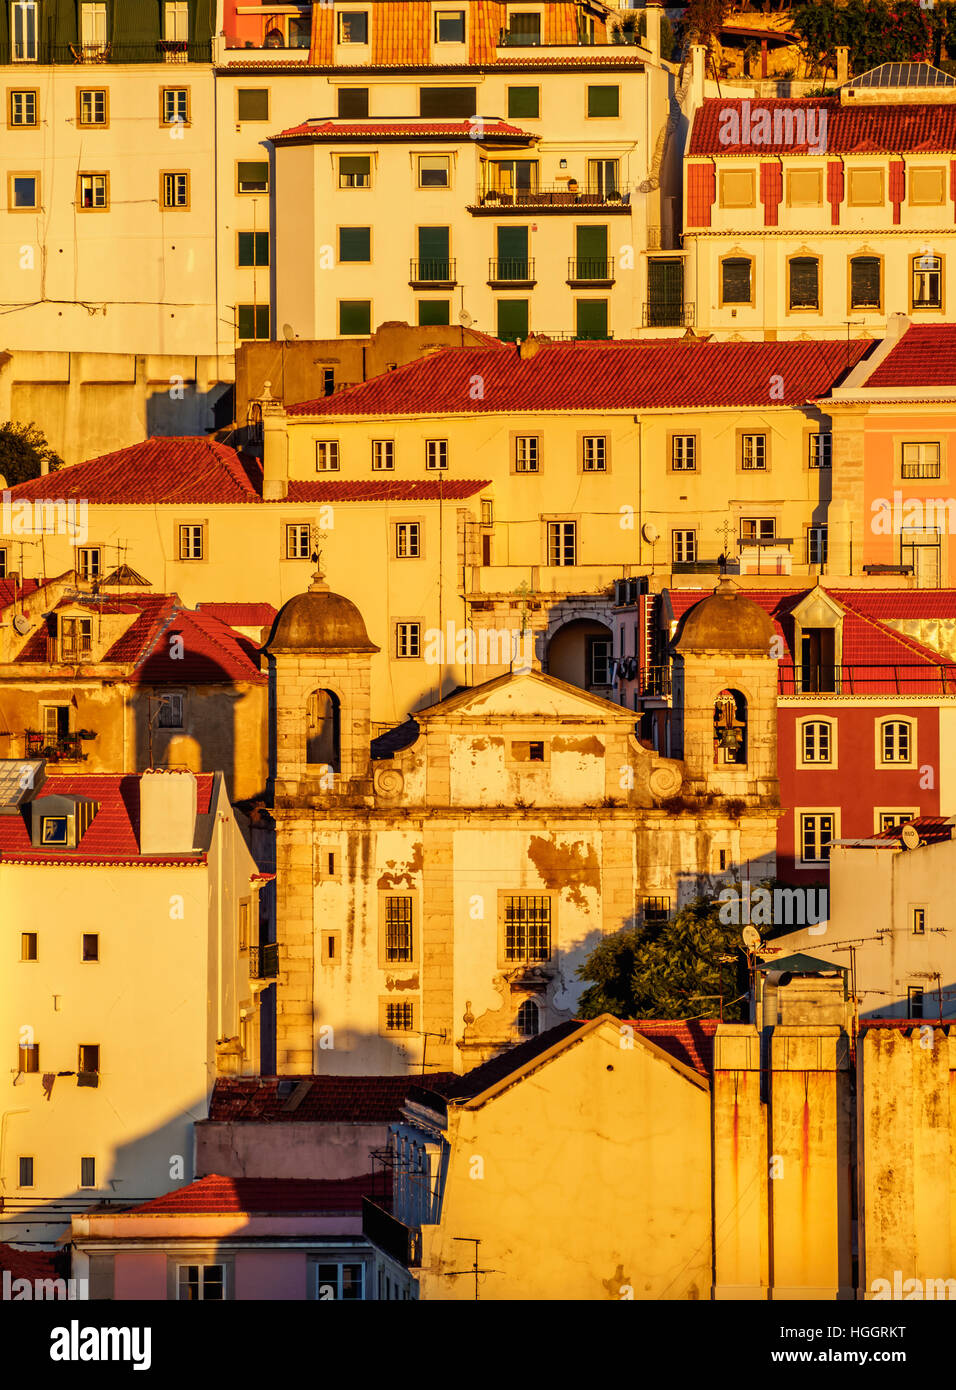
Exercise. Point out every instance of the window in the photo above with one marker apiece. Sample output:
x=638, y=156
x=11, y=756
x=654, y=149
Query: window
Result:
x=804, y=277
x=407, y=540
x=340, y=1281
x=400, y=1017
x=206, y=1282
x=25, y=1172
x=191, y=542
x=527, y=1022
x=352, y=102
x=753, y=452
x=604, y=101
x=300, y=31
x=604, y=177
x=524, y=29
x=865, y=188
x=434, y=170
x=24, y=192
x=91, y=946
x=28, y=945
x=252, y=104
x=76, y=638
x=927, y=187
x=353, y=26
x=355, y=317
x=459, y=102
x=328, y=381
x=91, y=106
x=176, y=190
x=171, y=711
x=355, y=171
x=253, y=248
x=896, y=741
x=355, y=243
x=436, y=454
x=433, y=312
x=252, y=320
x=895, y=820
x=29, y=1057
x=253, y=175
x=918, y=921
x=487, y=511
x=93, y=24
x=327, y=455
x=527, y=928
x=655, y=912
x=816, y=832
x=594, y=453
x=684, y=453
x=524, y=102
x=23, y=47
x=176, y=21
x=243, y=926
x=757, y=528
x=175, y=105
x=920, y=461
x=88, y=1169
x=683, y=547
x=54, y=830
x=598, y=659
x=816, y=545
x=93, y=191
x=3, y=563
x=398, y=930
x=866, y=273
x=526, y=453
x=804, y=188
x=927, y=282
x=88, y=562
x=821, y=450
x=817, y=744
x=449, y=26
x=408, y=640
x=512, y=320
x=562, y=543
x=383, y=455
x=737, y=188
x=434, y=260
x=736, y=276
x=88, y=1057
x=914, y=1001
x=298, y=541
x=23, y=108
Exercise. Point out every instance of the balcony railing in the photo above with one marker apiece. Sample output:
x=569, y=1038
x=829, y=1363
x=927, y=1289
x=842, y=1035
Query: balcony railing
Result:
x=509, y=38
x=390, y=1235
x=551, y=196
x=669, y=315
x=155, y=51
x=432, y=272
x=870, y=679
x=591, y=270
x=655, y=680
x=511, y=271
x=264, y=962
x=64, y=748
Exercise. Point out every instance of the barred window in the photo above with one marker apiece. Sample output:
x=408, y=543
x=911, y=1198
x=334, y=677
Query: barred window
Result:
x=398, y=930
x=400, y=1016
x=920, y=461
x=655, y=911
x=527, y=928
x=804, y=282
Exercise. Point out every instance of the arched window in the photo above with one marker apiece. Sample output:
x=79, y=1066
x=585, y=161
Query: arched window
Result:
x=528, y=1020
x=896, y=741
x=322, y=743
x=817, y=741
x=730, y=727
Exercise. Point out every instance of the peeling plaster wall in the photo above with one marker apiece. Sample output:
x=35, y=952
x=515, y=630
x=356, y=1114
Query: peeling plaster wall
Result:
x=293, y=1149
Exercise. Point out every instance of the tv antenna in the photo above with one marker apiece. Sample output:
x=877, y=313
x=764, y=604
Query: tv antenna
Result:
x=475, y=1270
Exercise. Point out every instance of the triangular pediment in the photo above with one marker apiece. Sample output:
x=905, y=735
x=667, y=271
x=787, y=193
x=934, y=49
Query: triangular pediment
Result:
x=818, y=609
x=523, y=696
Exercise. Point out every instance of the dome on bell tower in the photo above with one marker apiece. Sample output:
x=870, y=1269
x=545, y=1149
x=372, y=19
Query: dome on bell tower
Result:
x=319, y=621
x=728, y=621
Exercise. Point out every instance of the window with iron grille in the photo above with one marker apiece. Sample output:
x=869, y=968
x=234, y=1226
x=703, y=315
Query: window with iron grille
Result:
x=436, y=453
x=298, y=537
x=920, y=461
x=817, y=742
x=816, y=832
x=753, y=451
x=684, y=453
x=408, y=639
x=562, y=542
x=326, y=455
x=527, y=928
x=896, y=739
x=400, y=1016
x=407, y=540
x=683, y=546
x=655, y=911
x=594, y=453
x=526, y=453
x=191, y=542
x=398, y=930
x=383, y=455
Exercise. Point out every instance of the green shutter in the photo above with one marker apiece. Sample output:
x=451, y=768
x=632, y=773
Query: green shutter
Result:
x=355, y=316
x=604, y=101
x=591, y=318
x=524, y=101
x=253, y=320
x=448, y=101
x=261, y=248
x=432, y=312
x=512, y=248
x=253, y=104
x=512, y=319
x=353, y=102
x=433, y=257
x=591, y=249
x=355, y=243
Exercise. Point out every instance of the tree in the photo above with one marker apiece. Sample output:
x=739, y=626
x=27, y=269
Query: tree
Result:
x=667, y=971
x=23, y=451
x=875, y=31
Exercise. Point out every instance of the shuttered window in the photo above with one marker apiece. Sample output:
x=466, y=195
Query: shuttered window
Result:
x=253, y=248
x=735, y=280
x=253, y=176
x=865, y=282
x=353, y=102
x=448, y=101
x=355, y=243
x=524, y=102
x=804, y=282
x=604, y=101
x=252, y=104
x=512, y=320
x=591, y=318
x=355, y=316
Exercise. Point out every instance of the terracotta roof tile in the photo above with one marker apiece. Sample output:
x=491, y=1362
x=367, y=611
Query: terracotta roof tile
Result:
x=329, y=1099
x=404, y=130
x=34, y=1264
x=884, y=129
x=241, y=614
x=216, y=1194
x=924, y=356
x=385, y=490
x=185, y=469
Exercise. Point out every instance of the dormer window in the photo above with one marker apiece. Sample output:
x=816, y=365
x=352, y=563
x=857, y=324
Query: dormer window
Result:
x=60, y=822
x=353, y=26
x=76, y=638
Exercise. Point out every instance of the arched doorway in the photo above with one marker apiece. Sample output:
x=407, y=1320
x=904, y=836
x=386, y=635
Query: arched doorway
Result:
x=580, y=653
x=322, y=737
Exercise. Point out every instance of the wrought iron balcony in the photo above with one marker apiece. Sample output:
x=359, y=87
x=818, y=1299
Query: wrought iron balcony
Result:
x=511, y=271
x=403, y=1243
x=591, y=270
x=871, y=679
x=495, y=200
x=669, y=314
x=264, y=962
x=432, y=272
x=97, y=51
x=62, y=748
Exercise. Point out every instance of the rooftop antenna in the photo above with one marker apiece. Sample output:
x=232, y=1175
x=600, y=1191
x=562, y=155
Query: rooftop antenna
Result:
x=453, y=1273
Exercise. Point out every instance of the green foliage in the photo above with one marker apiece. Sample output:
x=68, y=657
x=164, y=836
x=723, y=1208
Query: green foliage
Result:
x=23, y=448
x=703, y=20
x=875, y=31
x=665, y=971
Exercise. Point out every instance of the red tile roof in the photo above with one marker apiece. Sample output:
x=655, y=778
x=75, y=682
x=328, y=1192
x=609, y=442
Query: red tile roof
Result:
x=185, y=469
x=620, y=60
x=241, y=614
x=113, y=834
x=34, y=1264
x=932, y=829
x=9, y=592
x=385, y=490
x=477, y=128
x=217, y=1195
x=596, y=376
x=924, y=356
x=329, y=1099
x=886, y=129
x=691, y=1043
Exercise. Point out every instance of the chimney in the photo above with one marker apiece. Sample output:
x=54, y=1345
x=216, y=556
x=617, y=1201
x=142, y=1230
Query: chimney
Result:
x=652, y=29
x=275, y=447
x=167, y=811
x=698, y=69
x=843, y=65
x=530, y=347
x=44, y=467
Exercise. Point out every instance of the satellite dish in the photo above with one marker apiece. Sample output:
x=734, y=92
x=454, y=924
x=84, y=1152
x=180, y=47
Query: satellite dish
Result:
x=22, y=624
x=751, y=938
x=465, y=319
x=911, y=837
x=650, y=532
x=288, y=332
